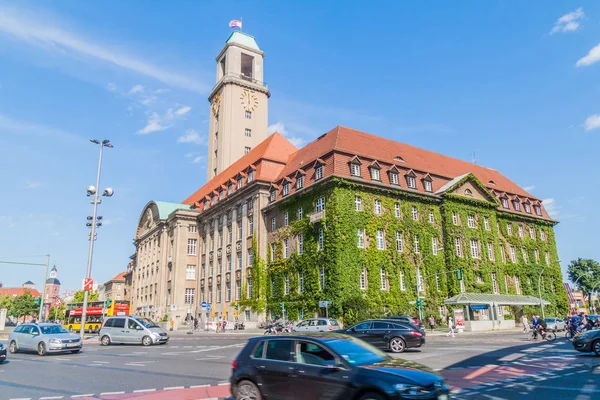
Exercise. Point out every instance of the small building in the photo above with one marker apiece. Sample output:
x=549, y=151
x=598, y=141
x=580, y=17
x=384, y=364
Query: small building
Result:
x=52, y=287
x=114, y=289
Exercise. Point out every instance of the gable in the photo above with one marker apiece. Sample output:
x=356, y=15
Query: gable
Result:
x=469, y=187
x=470, y=190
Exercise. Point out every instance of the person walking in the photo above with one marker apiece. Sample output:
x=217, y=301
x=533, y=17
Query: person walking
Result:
x=450, y=327
x=525, y=323
x=431, y=322
x=196, y=323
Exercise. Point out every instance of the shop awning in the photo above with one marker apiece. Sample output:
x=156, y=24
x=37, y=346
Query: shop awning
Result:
x=499, y=299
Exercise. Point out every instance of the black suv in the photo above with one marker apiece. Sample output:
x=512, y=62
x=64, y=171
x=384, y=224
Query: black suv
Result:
x=328, y=366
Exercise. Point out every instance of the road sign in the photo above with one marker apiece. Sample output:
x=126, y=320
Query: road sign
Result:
x=58, y=302
x=208, y=307
x=204, y=305
x=324, y=304
x=88, y=284
x=173, y=307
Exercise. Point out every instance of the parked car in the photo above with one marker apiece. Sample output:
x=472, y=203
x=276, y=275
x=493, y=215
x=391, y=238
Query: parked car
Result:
x=408, y=319
x=317, y=325
x=385, y=334
x=131, y=329
x=555, y=324
x=2, y=353
x=44, y=338
x=333, y=366
x=588, y=342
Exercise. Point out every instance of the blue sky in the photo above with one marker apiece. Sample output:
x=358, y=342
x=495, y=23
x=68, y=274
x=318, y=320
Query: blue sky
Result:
x=516, y=83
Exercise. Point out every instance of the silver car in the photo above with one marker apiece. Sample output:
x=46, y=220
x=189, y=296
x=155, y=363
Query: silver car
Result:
x=43, y=338
x=317, y=325
x=133, y=330
x=555, y=324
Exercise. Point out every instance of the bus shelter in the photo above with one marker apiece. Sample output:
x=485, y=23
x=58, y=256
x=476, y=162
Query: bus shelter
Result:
x=485, y=312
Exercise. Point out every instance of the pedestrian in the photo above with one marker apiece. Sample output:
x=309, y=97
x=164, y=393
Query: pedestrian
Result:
x=450, y=327
x=196, y=323
x=224, y=325
x=219, y=325
x=525, y=323
x=431, y=322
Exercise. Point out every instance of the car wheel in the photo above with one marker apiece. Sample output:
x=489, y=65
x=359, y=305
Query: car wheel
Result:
x=12, y=347
x=596, y=347
x=247, y=390
x=146, y=340
x=41, y=349
x=75, y=351
x=397, y=345
x=105, y=340
x=371, y=396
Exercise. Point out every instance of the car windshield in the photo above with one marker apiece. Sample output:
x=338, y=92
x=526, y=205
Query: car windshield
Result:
x=146, y=322
x=53, y=330
x=356, y=353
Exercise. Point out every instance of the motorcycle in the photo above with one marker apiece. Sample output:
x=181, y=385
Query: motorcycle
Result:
x=239, y=326
x=271, y=330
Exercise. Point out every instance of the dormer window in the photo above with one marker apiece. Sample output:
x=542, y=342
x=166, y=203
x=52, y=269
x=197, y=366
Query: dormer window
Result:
x=221, y=194
x=300, y=182
x=538, y=210
x=230, y=189
x=206, y=204
x=394, y=178
x=427, y=185
x=527, y=207
x=250, y=176
x=504, y=202
x=355, y=169
x=375, y=174
x=411, y=181
x=318, y=172
x=286, y=189
x=272, y=196
x=213, y=200
x=240, y=182
x=517, y=205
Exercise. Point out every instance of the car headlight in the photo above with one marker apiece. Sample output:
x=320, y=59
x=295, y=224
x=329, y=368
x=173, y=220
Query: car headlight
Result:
x=412, y=391
x=155, y=334
x=54, y=341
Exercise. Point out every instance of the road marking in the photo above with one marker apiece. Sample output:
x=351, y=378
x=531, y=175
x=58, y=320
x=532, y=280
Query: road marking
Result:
x=51, y=398
x=174, y=388
x=134, y=364
x=101, y=362
x=223, y=384
x=169, y=354
x=22, y=398
x=82, y=395
x=110, y=393
x=199, y=386
x=187, y=347
x=144, y=390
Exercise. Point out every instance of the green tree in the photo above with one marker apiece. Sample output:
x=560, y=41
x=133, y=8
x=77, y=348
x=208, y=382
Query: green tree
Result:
x=56, y=313
x=23, y=305
x=78, y=297
x=6, y=302
x=586, y=272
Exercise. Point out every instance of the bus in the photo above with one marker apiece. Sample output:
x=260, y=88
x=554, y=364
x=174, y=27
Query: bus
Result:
x=96, y=311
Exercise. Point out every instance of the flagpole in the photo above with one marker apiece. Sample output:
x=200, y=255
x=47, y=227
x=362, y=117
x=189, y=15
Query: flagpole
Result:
x=241, y=24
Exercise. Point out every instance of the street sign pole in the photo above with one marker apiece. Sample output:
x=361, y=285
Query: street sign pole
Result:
x=326, y=310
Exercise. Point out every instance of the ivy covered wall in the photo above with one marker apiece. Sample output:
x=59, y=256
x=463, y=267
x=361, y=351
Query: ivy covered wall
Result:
x=343, y=261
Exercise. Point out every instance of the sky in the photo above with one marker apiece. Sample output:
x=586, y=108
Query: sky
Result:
x=511, y=84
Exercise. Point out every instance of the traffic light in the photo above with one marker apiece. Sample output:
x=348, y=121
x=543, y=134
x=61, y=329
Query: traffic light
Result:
x=419, y=303
x=107, y=303
x=282, y=305
x=237, y=306
x=459, y=274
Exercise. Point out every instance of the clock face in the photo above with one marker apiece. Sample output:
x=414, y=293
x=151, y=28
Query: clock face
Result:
x=249, y=100
x=216, y=105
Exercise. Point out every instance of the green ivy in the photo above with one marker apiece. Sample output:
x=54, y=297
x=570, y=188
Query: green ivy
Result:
x=343, y=261
x=258, y=299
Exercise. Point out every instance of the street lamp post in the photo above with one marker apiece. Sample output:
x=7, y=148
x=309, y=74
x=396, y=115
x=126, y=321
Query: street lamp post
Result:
x=419, y=279
x=93, y=191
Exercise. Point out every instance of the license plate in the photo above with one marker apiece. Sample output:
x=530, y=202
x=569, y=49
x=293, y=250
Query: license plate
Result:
x=71, y=344
x=443, y=397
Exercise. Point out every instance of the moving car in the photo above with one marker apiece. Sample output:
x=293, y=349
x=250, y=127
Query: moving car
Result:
x=555, y=324
x=317, y=325
x=408, y=319
x=2, y=353
x=332, y=366
x=588, y=342
x=386, y=334
x=131, y=329
x=44, y=338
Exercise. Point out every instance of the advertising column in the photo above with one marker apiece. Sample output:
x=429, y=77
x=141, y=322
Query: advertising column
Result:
x=459, y=319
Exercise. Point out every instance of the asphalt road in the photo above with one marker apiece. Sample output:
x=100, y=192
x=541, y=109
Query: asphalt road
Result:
x=482, y=366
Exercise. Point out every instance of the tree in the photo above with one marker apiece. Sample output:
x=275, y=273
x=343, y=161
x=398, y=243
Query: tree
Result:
x=6, y=302
x=23, y=305
x=78, y=296
x=56, y=312
x=586, y=272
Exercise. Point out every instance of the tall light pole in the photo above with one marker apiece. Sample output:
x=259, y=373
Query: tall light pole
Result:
x=94, y=222
x=419, y=279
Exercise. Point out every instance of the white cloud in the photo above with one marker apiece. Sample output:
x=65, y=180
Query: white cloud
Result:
x=136, y=89
x=592, y=122
x=569, y=22
x=183, y=110
x=592, y=57
x=155, y=123
x=529, y=188
x=12, y=126
x=198, y=159
x=551, y=208
x=293, y=139
x=191, y=136
x=32, y=185
x=111, y=87
x=37, y=31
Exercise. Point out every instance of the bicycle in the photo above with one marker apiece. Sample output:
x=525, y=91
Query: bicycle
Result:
x=547, y=335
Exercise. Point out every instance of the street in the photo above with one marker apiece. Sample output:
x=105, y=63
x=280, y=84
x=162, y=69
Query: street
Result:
x=477, y=366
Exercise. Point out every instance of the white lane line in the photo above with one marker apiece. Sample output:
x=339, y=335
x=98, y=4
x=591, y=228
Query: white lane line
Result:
x=135, y=365
x=22, y=398
x=110, y=393
x=174, y=388
x=199, y=386
x=82, y=395
x=169, y=354
x=223, y=384
x=144, y=390
x=51, y=398
x=187, y=347
x=101, y=362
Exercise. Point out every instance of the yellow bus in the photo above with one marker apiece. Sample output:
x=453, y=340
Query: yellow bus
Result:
x=96, y=311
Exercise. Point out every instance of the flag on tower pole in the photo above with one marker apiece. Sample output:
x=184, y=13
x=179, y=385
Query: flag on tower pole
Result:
x=235, y=23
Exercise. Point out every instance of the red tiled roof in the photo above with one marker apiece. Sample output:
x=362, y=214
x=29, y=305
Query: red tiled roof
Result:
x=270, y=155
x=120, y=277
x=14, y=292
x=367, y=146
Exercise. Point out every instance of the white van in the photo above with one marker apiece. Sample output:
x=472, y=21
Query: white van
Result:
x=131, y=329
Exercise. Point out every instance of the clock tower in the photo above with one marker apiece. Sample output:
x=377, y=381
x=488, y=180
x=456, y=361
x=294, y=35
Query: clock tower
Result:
x=238, y=103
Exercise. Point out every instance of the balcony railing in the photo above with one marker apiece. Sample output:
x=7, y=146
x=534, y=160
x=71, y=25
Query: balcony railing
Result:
x=317, y=216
